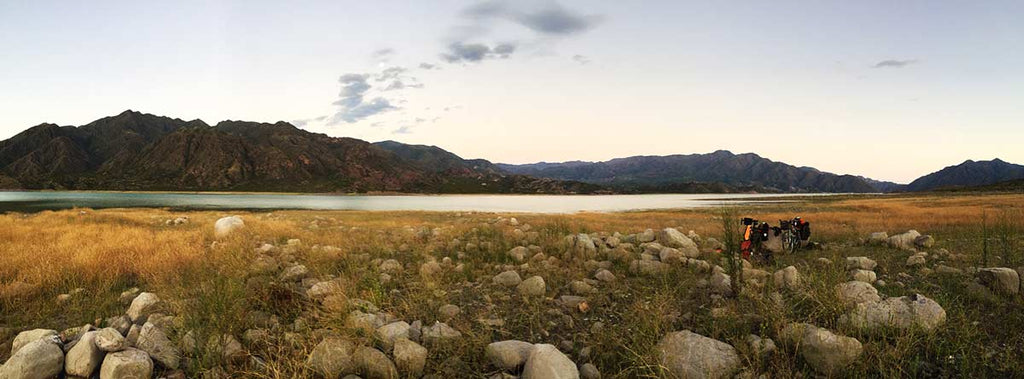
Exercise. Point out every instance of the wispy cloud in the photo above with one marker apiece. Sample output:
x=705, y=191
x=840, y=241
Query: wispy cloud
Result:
x=550, y=19
x=352, y=103
x=580, y=59
x=384, y=54
x=476, y=52
x=894, y=63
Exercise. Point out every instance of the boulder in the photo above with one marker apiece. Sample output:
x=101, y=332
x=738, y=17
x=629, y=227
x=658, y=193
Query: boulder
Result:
x=28, y=336
x=41, y=358
x=153, y=341
x=294, y=273
x=85, y=357
x=373, y=363
x=507, y=279
x=904, y=312
x=322, y=290
x=645, y=236
x=366, y=323
x=862, y=263
x=332, y=357
x=119, y=323
x=439, y=332
x=856, y=292
x=670, y=237
x=580, y=246
x=604, y=275
x=508, y=355
x=878, y=238
x=142, y=306
x=392, y=332
x=925, y=241
x=671, y=255
x=430, y=270
x=647, y=267
x=916, y=260
x=589, y=371
x=518, y=253
x=823, y=350
x=546, y=362
x=788, y=277
x=720, y=283
x=532, y=286
x=227, y=347
x=1001, y=280
x=226, y=225
x=904, y=240
x=686, y=354
x=410, y=357
x=865, y=276
x=127, y=364
x=760, y=347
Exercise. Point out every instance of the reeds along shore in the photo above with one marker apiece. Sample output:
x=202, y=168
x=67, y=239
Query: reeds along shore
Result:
x=66, y=269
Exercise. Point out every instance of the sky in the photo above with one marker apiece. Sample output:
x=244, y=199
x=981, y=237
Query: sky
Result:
x=891, y=90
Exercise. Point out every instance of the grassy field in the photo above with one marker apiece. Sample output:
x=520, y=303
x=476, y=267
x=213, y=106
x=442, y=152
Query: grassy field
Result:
x=208, y=283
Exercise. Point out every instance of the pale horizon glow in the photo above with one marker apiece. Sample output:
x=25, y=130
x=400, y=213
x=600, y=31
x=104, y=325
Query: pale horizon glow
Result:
x=887, y=90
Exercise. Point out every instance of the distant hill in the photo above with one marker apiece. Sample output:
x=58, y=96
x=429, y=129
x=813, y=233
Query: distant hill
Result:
x=969, y=174
x=732, y=170
x=136, y=151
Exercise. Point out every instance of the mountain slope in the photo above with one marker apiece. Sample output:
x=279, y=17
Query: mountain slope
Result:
x=737, y=170
x=135, y=151
x=969, y=174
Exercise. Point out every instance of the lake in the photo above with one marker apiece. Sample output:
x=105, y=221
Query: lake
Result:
x=31, y=201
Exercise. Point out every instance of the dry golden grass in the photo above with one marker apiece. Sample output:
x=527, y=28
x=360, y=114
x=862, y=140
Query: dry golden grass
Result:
x=207, y=282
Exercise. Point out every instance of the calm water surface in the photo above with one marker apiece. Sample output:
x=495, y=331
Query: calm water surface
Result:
x=50, y=200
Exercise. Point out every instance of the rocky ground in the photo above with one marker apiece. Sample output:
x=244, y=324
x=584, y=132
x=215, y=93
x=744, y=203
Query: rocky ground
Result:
x=476, y=295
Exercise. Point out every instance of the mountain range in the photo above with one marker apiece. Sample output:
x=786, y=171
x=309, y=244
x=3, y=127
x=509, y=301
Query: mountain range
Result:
x=137, y=151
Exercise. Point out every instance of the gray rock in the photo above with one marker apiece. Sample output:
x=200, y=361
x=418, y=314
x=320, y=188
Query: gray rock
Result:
x=85, y=357
x=904, y=240
x=647, y=267
x=903, y=312
x=1001, y=280
x=589, y=371
x=29, y=336
x=546, y=362
x=916, y=260
x=646, y=236
x=878, y=238
x=604, y=276
x=518, y=253
x=671, y=237
x=856, y=292
x=294, y=273
x=823, y=350
x=127, y=364
x=226, y=225
x=580, y=247
x=153, y=341
x=507, y=279
x=532, y=286
x=946, y=270
x=760, y=347
x=448, y=311
x=373, y=363
x=142, y=306
x=110, y=340
x=41, y=358
x=508, y=355
x=367, y=323
x=862, y=263
x=133, y=335
x=720, y=283
x=324, y=289
x=410, y=357
x=128, y=295
x=227, y=347
x=925, y=241
x=430, y=270
x=439, y=332
x=580, y=287
x=788, y=277
x=332, y=357
x=686, y=354
x=863, y=275
x=391, y=266
x=120, y=323
x=392, y=332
